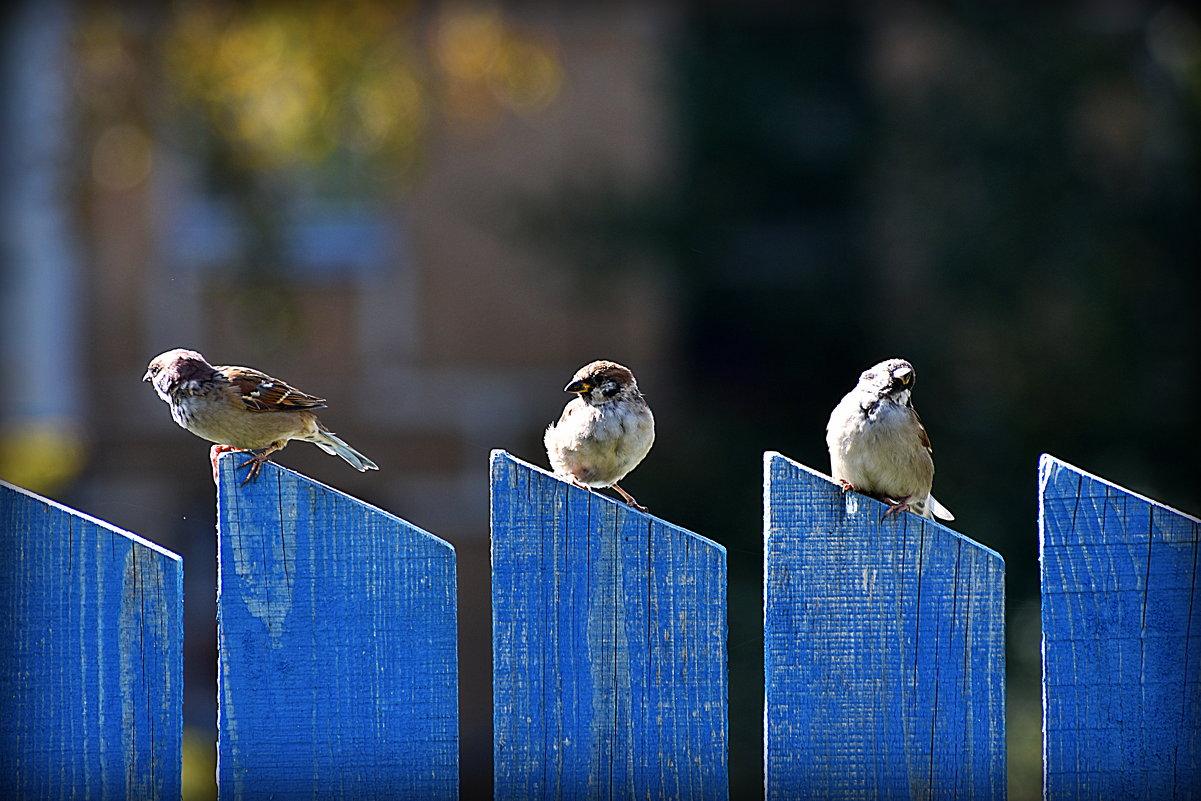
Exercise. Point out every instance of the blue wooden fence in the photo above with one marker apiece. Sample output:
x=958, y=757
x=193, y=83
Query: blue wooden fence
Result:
x=336, y=635
x=884, y=649
x=608, y=647
x=883, y=654
x=91, y=657
x=1121, y=667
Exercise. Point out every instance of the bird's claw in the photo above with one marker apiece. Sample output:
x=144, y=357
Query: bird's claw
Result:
x=256, y=464
x=627, y=497
x=895, y=507
x=630, y=499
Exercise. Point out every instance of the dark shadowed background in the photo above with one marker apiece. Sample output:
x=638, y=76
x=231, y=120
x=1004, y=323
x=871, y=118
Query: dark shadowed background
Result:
x=433, y=213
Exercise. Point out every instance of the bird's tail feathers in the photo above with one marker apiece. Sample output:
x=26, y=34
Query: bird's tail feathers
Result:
x=330, y=442
x=940, y=511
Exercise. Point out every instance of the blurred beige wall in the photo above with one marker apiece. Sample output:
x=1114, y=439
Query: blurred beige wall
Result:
x=459, y=342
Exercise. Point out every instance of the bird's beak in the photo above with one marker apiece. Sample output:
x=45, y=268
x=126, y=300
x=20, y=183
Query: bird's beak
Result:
x=578, y=387
x=147, y=377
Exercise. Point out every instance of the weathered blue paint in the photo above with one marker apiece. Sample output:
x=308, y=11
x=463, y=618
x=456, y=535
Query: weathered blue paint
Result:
x=1121, y=615
x=338, y=668
x=608, y=649
x=91, y=666
x=884, y=649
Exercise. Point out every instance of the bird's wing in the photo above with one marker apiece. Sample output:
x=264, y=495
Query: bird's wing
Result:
x=936, y=508
x=922, y=436
x=262, y=393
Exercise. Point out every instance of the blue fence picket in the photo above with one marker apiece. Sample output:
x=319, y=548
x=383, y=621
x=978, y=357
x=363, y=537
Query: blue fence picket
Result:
x=1121, y=601
x=91, y=670
x=884, y=649
x=337, y=645
x=609, y=647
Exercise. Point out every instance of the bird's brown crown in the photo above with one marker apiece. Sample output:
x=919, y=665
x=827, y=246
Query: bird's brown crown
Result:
x=179, y=365
x=599, y=370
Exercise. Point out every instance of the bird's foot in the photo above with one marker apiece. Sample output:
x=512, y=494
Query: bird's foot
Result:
x=577, y=483
x=846, y=485
x=630, y=499
x=895, y=507
x=256, y=463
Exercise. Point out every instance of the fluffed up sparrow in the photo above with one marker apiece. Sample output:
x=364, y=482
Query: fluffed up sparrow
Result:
x=878, y=445
x=242, y=409
x=604, y=432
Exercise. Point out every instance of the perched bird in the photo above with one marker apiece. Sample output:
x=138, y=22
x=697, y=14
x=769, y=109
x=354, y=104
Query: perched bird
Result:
x=878, y=445
x=604, y=432
x=242, y=409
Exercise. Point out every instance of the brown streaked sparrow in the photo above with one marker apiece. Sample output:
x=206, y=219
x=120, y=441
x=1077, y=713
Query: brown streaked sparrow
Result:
x=242, y=409
x=878, y=445
x=604, y=432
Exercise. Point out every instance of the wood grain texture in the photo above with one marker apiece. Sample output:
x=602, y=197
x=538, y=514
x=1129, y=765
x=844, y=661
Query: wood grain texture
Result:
x=609, y=647
x=884, y=649
x=1121, y=614
x=91, y=667
x=338, y=668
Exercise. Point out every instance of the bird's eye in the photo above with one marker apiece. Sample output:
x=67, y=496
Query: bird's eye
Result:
x=154, y=368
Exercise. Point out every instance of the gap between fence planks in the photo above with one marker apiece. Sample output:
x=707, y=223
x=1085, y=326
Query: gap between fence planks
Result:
x=884, y=648
x=337, y=646
x=91, y=667
x=609, y=647
x=1121, y=618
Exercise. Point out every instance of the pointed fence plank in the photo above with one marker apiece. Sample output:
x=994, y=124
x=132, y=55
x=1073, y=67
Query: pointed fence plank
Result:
x=337, y=645
x=1121, y=614
x=91, y=667
x=609, y=647
x=884, y=649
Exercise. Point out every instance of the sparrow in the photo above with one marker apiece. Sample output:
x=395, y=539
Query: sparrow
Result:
x=878, y=445
x=242, y=409
x=604, y=432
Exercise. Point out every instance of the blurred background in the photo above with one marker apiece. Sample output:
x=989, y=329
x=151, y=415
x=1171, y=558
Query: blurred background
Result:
x=434, y=213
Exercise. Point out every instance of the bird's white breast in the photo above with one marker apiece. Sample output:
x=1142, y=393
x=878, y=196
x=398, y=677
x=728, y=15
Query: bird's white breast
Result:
x=878, y=450
x=599, y=445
